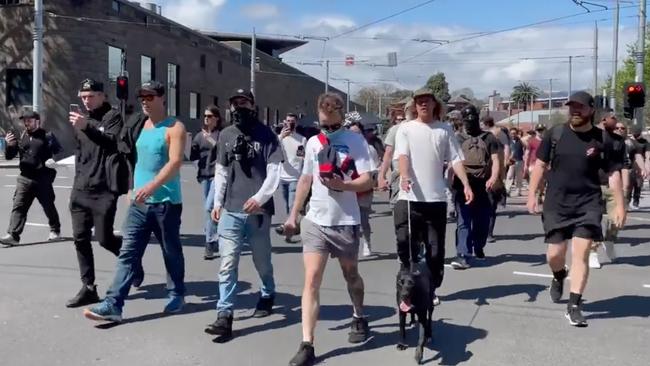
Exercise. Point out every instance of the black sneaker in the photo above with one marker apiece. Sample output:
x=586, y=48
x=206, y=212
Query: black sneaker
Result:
x=459, y=263
x=221, y=327
x=9, y=240
x=264, y=307
x=209, y=252
x=574, y=315
x=305, y=355
x=556, y=290
x=358, y=330
x=479, y=254
x=86, y=296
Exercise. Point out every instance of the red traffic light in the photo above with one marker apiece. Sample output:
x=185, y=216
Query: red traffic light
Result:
x=631, y=89
x=121, y=82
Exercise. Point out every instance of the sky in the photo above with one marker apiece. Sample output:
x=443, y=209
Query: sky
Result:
x=468, y=57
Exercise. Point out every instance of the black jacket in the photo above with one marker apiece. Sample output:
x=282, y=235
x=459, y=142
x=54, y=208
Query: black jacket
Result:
x=204, y=149
x=96, y=152
x=34, y=149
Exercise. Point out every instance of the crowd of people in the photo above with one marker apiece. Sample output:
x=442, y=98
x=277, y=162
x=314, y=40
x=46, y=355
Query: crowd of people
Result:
x=436, y=168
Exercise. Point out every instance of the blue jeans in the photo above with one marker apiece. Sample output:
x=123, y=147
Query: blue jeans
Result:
x=164, y=221
x=234, y=230
x=210, y=227
x=289, y=194
x=473, y=223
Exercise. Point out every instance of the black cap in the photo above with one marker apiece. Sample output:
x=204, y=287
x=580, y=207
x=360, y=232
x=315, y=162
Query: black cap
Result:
x=152, y=87
x=242, y=93
x=581, y=97
x=28, y=114
x=90, y=85
x=470, y=114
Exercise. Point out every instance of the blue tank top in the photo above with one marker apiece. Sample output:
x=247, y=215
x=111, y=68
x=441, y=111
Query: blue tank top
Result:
x=153, y=154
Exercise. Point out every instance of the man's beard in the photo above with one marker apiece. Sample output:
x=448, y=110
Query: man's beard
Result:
x=578, y=121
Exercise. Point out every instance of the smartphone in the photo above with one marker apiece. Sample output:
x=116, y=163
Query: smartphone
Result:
x=74, y=108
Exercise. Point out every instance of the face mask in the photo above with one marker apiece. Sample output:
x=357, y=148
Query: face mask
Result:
x=472, y=127
x=242, y=116
x=332, y=134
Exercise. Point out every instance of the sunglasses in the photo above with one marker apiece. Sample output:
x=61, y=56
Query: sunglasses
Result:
x=621, y=128
x=332, y=128
x=147, y=97
x=208, y=115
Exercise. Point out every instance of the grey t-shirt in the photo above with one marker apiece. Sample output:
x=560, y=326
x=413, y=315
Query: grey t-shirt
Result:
x=245, y=176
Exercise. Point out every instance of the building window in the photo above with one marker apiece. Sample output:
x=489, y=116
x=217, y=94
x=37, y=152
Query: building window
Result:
x=172, y=89
x=215, y=101
x=195, y=105
x=116, y=6
x=147, y=69
x=19, y=87
x=114, y=62
x=202, y=62
x=9, y=2
x=277, y=116
x=220, y=67
x=267, y=113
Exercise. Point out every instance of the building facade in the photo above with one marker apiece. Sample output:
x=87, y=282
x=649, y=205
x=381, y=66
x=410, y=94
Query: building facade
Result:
x=100, y=38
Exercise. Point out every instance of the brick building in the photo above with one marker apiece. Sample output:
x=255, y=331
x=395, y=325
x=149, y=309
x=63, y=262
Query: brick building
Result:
x=87, y=38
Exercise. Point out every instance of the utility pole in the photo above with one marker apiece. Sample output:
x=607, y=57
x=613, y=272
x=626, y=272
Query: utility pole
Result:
x=327, y=76
x=640, y=56
x=550, y=99
x=37, y=73
x=348, y=97
x=595, y=58
x=570, y=76
x=253, y=60
x=615, y=54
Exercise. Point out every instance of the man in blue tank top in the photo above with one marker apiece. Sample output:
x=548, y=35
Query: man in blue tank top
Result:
x=156, y=205
x=247, y=173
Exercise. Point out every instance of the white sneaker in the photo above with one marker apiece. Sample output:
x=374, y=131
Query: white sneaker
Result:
x=366, y=252
x=53, y=236
x=593, y=260
x=610, y=251
x=9, y=240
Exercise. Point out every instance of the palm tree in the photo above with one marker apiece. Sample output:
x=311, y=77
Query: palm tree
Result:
x=524, y=93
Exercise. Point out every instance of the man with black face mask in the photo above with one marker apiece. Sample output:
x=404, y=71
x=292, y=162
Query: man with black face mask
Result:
x=481, y=151
x=579, y=155
x=247, y=173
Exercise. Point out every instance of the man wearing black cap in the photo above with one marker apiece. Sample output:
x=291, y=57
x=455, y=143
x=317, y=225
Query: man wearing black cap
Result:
x=95, y=191
x=578, y=153
x=247, y=173
x=34, y=147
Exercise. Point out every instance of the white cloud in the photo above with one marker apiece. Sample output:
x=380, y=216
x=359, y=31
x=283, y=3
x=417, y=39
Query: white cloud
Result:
x=260, y=11
x=197, y=14
x=495, y=62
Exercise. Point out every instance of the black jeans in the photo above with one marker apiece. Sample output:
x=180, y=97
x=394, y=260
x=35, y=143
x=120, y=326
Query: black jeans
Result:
x=495, y=197
x=26, y=190
x=89, y=209
x=428, y=227
x=636, y=182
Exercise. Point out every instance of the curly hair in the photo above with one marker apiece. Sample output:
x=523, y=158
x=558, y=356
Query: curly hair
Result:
x=330, y=103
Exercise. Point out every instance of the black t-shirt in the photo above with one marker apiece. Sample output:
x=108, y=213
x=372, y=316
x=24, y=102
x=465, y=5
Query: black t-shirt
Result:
x=517, y=149
x=245, y=176
x=579, y=161
x=478, y=185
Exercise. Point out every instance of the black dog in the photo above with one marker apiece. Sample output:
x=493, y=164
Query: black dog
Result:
x=415, y=296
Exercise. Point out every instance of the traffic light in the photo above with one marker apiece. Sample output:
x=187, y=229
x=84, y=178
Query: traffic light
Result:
x=122, y=87
x=634, y=95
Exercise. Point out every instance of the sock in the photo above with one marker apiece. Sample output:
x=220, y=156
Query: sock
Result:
x=574, y=299
x=354, y=315
x=560, y=275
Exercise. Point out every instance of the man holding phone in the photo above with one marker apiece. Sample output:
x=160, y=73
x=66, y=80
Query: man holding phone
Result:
x=293, y=146
x=93, y=200
x=34, y=147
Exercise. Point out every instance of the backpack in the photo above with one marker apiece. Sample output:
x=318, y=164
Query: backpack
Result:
x=478, y=163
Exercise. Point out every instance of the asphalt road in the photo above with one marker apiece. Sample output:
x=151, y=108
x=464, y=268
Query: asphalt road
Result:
x=496, y=314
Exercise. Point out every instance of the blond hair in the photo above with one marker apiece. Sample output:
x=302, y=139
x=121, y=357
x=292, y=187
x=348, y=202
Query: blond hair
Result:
x=331, y=103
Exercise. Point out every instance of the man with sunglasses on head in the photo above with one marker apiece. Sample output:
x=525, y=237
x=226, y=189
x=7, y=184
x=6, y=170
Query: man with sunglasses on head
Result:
x=155, y=143
x=93, y=201
x=247, y=173
x=640, y=145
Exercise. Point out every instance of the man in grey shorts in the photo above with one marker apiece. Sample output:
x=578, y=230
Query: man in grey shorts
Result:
x=331, y=226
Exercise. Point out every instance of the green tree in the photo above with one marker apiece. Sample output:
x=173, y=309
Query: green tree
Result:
x=524, y=93
x=438, y=83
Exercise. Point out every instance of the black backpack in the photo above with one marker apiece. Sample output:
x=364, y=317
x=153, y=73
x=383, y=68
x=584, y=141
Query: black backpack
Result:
x=478, y=163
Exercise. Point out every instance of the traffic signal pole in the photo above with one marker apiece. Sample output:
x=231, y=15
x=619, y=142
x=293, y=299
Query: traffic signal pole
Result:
x=640, y=59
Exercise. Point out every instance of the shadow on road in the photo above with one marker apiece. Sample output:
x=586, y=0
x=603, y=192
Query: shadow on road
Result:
x=520, y=237
x=627, y=306
x=534, y=260
x=638, y=261
x=632, y=241
x=482, y=295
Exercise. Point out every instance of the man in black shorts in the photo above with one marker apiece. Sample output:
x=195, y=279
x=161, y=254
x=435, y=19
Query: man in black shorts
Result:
x=577, y=153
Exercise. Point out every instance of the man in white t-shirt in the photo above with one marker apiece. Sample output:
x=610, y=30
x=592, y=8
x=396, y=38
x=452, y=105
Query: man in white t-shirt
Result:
x=389, y=161
x=422, y=146
x=331, y=226
x=293, y=146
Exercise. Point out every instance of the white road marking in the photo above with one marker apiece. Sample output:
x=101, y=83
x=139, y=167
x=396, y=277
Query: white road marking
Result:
x=36, y=224
x=62, y=177
x=12, y=175
x=10, y=186
x=638, y=218
x=532, y=274
x=646, y=286
x=448, y=266
x=62, y=187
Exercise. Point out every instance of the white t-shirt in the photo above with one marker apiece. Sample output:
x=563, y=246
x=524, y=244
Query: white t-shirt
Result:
x=292, y=166
x=328, y=207
x=428, y=146
x=374, y=158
